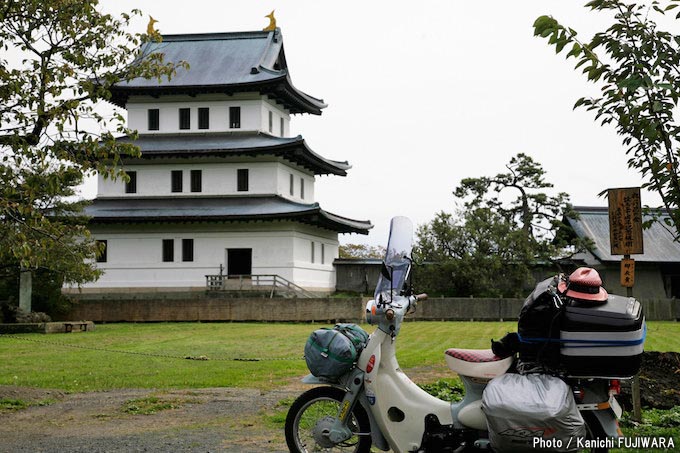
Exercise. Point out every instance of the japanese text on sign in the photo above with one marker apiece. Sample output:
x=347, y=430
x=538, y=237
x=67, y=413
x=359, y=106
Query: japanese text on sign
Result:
x=627, y=273
x=625, y=221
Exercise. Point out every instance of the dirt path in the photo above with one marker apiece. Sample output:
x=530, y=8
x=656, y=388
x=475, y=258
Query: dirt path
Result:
x=200, y=420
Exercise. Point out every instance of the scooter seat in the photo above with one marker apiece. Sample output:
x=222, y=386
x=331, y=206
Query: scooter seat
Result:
x=480, y=363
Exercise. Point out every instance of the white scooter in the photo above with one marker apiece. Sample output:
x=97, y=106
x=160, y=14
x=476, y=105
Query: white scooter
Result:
x=377, y=404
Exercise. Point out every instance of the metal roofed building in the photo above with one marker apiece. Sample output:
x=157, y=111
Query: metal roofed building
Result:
x=657, y=271
x=220, y=185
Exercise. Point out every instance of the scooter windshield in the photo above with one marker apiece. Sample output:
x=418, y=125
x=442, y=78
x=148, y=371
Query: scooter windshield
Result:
x=397, y=258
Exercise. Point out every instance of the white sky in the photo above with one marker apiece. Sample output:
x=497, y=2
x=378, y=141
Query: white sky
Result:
x=423, y=94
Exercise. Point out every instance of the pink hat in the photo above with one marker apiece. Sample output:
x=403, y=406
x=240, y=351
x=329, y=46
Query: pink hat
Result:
x=585, y=284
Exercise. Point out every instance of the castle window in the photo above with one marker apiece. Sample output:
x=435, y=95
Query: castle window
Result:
x=234, y=117
x=312, y=249
x=292, y=184
x=154, y=119
x=187, y=250
x=302, y=188
x=242, y=180
x=281, y=126
x=204, y=118
x=101, y=257
x=176, y=180
x=131, y=184
x=196, y=180
x=271, y=122
x=323, y=253
x=168, y=250
x=185, y=118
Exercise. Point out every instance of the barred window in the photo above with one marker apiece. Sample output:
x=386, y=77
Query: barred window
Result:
x=176, y=180
x=154, y=119
x=204, y=118
x=131, y=184
x=168, y=250
x=103, y=254
x=242, y=180
x=187, y=249
x=234, y=117
x=185, y=118
x=196, y=180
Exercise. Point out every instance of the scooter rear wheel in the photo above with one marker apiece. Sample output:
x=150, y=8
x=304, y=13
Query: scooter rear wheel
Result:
x=311, y=408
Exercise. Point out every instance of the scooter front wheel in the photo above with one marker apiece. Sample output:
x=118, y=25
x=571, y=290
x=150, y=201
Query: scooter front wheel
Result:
x=314, y=410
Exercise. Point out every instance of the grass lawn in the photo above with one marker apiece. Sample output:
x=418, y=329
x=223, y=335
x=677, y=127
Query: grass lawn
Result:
x=46, y=362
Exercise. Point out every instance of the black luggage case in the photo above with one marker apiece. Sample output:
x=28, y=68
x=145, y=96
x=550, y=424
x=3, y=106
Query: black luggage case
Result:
x=602, y=339
x=539, y=328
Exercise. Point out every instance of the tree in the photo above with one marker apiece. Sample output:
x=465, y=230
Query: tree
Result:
x=474, y=254
x=65, y=56
x=491, y=247
x=537, y=214
x=361, y=251
x=637, y=67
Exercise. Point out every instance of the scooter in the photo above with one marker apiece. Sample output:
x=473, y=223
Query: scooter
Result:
x=376, y=404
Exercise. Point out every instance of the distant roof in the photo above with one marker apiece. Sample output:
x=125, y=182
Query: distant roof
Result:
x=225, y=209
x=349, y=261
x=659, y=245
x=231, y=144
x=223, y=63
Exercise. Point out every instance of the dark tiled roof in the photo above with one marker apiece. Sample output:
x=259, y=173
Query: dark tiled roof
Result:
x=202, y=209
x=223, y=63
x=659, y=244
x=294, y=149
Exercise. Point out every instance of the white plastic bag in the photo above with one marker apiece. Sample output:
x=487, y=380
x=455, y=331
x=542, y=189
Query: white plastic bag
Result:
x=533, y=412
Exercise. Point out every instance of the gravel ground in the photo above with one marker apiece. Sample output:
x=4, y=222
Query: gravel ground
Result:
x=203, y=420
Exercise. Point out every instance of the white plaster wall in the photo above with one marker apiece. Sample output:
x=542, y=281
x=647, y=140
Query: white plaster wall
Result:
x=252, y=118
x=283, y=184
x=277, y=113
x=264, y=178
x=134, y=254
x=306, y=272
x=110, y=188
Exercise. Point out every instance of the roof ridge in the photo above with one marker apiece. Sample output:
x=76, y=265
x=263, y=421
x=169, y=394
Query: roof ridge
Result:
x=270, y=54
x=216, y=36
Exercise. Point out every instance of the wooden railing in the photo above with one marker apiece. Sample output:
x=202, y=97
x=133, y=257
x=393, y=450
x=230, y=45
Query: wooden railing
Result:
x=271, y=282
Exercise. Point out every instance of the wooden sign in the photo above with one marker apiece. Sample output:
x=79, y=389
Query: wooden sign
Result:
x=625, y=221
x=627, y=273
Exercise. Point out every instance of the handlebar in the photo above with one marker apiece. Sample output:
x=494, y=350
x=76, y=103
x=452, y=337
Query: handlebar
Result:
x=413, y=302
x=389, y=315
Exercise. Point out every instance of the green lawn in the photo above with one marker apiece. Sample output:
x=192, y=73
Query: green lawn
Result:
x=39, y=364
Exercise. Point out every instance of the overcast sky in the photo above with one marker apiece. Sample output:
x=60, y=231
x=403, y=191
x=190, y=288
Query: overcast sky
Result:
x=423, y=94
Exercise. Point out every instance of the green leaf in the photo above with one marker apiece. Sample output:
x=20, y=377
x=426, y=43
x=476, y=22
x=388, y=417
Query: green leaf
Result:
x=575, y=50
x=579, y=103
x=560, y=45
x=544, y=25
x=650, y=132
